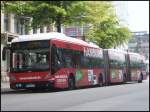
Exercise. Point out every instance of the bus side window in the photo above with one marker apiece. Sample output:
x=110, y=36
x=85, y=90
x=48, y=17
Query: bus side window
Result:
x=68, y=61
x=88, y=63
x=67, y=58
x=77, y=55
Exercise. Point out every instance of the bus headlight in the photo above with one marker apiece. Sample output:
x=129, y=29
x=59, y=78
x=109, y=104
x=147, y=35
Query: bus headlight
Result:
x=12, y=78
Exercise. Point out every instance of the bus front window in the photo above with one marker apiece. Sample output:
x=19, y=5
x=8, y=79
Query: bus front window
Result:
x=30, y=60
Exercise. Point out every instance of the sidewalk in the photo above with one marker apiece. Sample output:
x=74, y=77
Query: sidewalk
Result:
x=5, y=87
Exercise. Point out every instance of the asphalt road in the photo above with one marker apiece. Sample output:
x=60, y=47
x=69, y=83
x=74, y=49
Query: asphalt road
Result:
x=124, y=97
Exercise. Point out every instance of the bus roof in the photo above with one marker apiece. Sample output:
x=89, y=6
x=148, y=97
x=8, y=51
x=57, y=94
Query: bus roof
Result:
x=52, y=35
x=116, y=54
x=117, y=50
x=136, y=57
x=135, y=54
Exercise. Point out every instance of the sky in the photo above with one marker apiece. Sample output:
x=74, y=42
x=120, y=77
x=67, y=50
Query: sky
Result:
x=138, y=15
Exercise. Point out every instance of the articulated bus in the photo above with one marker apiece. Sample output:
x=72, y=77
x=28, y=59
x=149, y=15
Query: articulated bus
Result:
x=54, y=60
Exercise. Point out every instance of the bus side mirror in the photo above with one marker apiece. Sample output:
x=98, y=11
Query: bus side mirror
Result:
x=4, y=51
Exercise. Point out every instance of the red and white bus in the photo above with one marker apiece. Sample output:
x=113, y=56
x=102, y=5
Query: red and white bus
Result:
x=54, y=60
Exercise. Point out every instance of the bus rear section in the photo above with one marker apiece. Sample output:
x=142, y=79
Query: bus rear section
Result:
x=137, y=69
x=115, y=66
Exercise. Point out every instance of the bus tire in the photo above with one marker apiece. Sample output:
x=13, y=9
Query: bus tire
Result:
x=71, y=83
x=141, y=78
x=100, y=80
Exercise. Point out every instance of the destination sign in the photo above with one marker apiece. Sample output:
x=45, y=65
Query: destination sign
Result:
x=30, y=44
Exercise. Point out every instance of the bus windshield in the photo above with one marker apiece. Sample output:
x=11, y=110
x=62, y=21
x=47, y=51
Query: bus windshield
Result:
x=30, y=60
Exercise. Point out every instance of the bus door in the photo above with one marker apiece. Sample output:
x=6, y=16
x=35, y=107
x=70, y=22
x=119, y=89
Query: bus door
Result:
x=56, y=59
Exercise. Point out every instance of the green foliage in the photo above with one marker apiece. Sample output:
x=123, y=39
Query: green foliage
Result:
x=84, y=12
x=18, y=7
x=43, y=13
x=105, y=31
x=110, y=37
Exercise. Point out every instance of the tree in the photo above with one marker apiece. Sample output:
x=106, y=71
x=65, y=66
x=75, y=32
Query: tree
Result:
x=105, y=31
x=42, y=12
x=109, y=37
x=61, y=17
x=59, y=12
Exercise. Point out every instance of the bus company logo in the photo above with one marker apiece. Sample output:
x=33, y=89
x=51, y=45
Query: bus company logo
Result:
x=90, y=52
x=27, y=78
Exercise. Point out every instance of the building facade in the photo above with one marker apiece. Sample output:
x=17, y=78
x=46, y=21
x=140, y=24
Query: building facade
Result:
x=76, y=31
x=140, y=43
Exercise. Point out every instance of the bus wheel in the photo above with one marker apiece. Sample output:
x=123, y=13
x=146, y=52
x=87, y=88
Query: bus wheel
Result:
x=71, y=83
x=141, y=78
x=100, y=80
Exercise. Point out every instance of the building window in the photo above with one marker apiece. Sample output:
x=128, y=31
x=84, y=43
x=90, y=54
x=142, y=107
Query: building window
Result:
x=5, y=22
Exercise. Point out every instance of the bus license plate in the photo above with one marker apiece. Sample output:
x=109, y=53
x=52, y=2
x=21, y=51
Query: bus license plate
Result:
x=30, y=85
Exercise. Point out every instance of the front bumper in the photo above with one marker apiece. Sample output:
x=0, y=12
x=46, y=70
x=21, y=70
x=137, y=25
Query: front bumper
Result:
x=28, y=85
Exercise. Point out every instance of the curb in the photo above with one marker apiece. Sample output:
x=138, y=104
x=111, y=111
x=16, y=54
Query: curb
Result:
x=5, y=87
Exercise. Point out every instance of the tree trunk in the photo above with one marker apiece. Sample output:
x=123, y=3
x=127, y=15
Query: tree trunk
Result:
x=58, y=24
